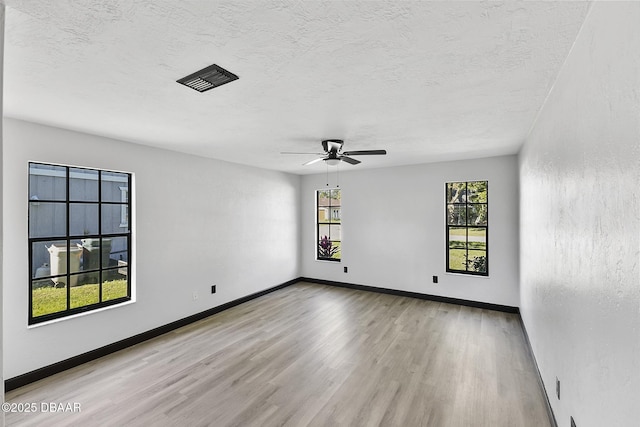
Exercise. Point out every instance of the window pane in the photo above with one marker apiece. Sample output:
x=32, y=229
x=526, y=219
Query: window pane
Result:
x=337, y=246
x=112, y=219
x=457, y=237
x=477, y=214
x=115, y=284
x=477, y=261
x=335, y=232
x=47, y=182
x=332, y=232
x=324, y=198
x=335, y=214
x=328, y=249
x=477, y=238
x=58, y=263
x=83, y=185
x=83, y=219
x=114, y=184
x=455, y=192
x=91, y=259
x=86, y=292
x=456, y=214
x=41, y=257
x=47, y=299
x=47, y=219
x=477, y=191
x=114, y=250
x=323, y=231
x=323, y=214
x=457, y=258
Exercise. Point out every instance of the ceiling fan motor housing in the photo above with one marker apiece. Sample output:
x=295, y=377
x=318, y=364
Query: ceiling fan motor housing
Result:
x=332, y=145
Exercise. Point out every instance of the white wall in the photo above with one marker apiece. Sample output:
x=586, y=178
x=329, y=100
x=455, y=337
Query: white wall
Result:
x=394, y=229
x=2, y=10
x=580, y=247
x=197, y=222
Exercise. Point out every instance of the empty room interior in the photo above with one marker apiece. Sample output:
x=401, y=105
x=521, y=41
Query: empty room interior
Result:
x=340, y=213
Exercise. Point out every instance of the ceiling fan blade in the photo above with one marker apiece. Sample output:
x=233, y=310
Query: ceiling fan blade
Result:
x=298, y=152
x=313, y=161
x=364, y=152
x=350, y=160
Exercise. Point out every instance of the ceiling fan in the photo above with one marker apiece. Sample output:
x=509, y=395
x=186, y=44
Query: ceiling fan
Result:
x=333, y=153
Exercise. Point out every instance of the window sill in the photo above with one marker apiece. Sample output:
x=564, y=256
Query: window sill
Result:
x=448, y=273
x=74, y=316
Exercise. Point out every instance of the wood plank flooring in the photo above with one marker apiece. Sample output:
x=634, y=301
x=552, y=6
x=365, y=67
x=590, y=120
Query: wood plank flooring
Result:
x=309, y=355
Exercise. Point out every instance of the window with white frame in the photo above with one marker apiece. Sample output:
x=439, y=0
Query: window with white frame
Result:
x=79, y=240
x=328, y=225
x=467, y=227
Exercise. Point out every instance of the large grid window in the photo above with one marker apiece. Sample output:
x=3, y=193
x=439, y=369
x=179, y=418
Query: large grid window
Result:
x=79, y=240
x=467, y=227
x=329, y=224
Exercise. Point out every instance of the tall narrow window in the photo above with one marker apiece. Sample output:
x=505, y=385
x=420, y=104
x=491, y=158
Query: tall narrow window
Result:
x=467, y=227
x=79, y=240
x=328, y=225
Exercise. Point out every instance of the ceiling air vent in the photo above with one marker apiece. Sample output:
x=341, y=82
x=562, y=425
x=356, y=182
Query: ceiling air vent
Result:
x=208, y=78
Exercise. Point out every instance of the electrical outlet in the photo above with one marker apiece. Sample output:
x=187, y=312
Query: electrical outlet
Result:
x=195, y=295
x=345, y=269
x=435, y=279
x=213, y=289
x=573, y=423
x=558, y=388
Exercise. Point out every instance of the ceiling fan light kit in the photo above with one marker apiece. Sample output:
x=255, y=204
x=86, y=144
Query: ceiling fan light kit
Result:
x=333, y=153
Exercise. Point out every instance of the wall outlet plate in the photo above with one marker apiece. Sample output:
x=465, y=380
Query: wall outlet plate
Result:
x=435, y=279
x=345, y=269
x=213, y=289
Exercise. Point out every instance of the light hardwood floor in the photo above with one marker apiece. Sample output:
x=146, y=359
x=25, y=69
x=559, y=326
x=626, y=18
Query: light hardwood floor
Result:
x=310, y=355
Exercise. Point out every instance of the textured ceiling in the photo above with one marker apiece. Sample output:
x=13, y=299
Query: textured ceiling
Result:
x=428, y=81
